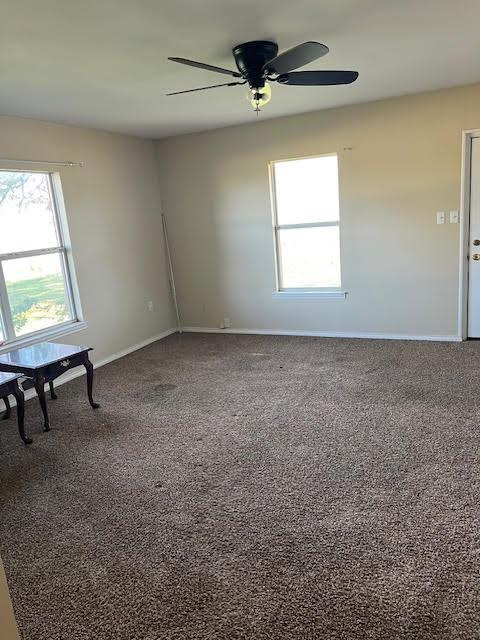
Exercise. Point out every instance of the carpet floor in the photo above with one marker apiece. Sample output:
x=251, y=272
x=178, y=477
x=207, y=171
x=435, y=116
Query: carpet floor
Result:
x=251, y=487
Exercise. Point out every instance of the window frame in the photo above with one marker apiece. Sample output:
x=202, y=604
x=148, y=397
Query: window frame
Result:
x=63, y=250
x=299, y=293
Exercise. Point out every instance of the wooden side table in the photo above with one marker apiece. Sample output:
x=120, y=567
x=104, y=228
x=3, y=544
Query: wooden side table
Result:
x=9, y=387
x=44, y=362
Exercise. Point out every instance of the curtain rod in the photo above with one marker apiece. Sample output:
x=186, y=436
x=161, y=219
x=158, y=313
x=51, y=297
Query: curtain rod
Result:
x=66, y=163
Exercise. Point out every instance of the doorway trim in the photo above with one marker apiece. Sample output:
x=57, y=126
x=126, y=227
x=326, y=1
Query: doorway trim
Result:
x=467, y=137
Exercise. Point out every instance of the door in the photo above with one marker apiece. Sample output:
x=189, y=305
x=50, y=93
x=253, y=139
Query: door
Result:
x=474, y=244
x=7, y=617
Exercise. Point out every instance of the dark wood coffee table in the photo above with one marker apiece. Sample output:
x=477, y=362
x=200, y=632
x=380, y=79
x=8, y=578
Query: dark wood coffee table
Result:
x=9, y=387
x=45, y=361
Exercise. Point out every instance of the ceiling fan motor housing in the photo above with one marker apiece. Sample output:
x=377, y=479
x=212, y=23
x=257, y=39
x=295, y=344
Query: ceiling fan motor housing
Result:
x=251, y=57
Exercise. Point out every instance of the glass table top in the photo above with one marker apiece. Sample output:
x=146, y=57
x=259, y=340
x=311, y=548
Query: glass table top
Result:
x=41, y=354
x=8, y=377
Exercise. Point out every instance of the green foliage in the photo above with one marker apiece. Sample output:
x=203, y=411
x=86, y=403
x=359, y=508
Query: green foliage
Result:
x=37, y=299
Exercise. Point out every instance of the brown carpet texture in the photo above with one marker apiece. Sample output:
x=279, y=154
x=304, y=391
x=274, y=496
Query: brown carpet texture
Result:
x=251, y=487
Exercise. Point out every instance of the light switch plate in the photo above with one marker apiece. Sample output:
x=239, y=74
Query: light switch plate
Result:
x=440, y=217
x=453, y=217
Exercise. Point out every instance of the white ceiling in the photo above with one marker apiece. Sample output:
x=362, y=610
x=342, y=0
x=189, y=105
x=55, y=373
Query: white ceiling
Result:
x=103, y=63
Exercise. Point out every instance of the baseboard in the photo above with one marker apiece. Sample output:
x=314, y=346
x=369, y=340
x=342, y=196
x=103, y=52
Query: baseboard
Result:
x=80, y=371
x=326, y=334
x=135, y=347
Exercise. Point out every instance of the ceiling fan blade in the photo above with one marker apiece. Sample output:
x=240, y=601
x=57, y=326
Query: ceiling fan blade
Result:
x=207, y=67
x=318, y=78
x=212, y=86
x=296, y=57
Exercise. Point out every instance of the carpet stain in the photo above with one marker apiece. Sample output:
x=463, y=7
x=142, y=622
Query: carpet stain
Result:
x=167, y=386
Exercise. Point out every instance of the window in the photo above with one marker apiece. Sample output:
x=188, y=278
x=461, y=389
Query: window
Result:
x=306, y=223
x=35, y=287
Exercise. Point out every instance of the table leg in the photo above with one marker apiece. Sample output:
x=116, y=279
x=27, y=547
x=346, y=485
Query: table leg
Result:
x=20, y=398
x=6, y=415
x=39, y=382
x=53, y=395
x=89, y=368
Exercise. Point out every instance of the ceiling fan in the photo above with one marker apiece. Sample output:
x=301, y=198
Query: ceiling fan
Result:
x=258, y=63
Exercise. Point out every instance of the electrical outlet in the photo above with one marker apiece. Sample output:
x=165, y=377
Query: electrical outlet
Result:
x=453, y=217
x=150, y=305
x=440, y=217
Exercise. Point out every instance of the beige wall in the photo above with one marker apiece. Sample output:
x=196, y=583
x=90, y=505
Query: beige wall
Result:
x=113, y=210
x=8, y=626
x=399, y=267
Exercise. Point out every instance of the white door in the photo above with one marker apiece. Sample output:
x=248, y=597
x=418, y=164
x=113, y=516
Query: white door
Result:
x=474, y=246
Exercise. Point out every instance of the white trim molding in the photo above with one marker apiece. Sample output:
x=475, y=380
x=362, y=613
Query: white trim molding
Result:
x=467, y=137
x=133, y=347
x=47, y=334
x=312, y=296
x=326, y=334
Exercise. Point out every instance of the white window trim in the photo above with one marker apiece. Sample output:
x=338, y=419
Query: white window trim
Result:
x=77, y=322
x=310, y=294
x=57, y=331
x=298, y=293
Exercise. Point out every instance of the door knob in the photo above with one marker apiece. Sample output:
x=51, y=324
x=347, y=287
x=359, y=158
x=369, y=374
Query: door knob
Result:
x=476, y=242
x=476, y=256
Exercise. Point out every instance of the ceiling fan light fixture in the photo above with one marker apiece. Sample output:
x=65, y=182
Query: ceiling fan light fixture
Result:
x=259, y=96
x=258, y=61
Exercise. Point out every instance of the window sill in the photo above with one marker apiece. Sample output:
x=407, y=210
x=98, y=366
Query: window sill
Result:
x=310, y=295
x=42, y=336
